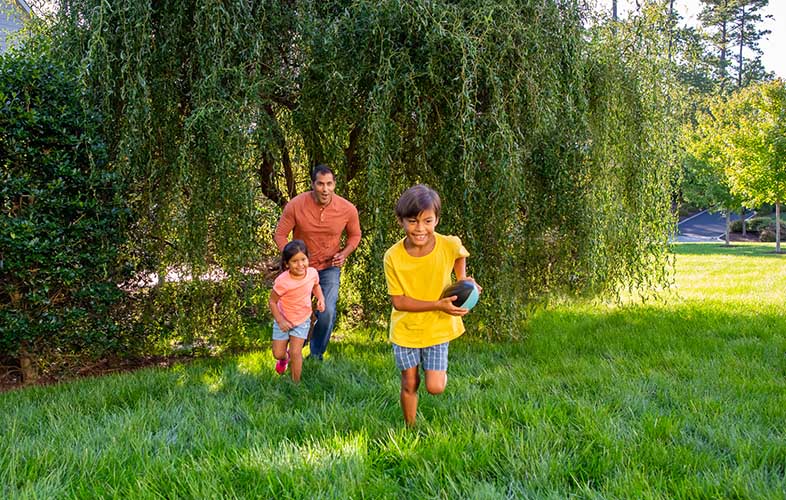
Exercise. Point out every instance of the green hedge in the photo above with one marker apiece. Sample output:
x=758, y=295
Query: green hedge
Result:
x=62, y=216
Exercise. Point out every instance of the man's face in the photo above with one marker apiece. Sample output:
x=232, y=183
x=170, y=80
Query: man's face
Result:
x=323, y=187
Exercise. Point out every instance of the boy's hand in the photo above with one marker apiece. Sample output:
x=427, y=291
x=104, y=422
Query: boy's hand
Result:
x=470, y=278
x=321, y=305
x=446, y=305
x=285, y=325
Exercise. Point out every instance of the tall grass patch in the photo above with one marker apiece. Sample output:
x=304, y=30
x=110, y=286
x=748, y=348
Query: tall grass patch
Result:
x=684, y=397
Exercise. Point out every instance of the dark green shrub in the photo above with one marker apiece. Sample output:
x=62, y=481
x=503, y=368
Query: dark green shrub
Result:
x=61, y=216
x=758, y=224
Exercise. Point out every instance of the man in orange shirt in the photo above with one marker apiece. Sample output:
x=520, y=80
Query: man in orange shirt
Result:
x=319, y=217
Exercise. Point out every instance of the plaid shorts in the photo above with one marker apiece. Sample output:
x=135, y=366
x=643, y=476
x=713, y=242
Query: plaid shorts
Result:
x=434, y=357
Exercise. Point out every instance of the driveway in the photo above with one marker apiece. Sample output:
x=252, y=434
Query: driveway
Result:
x=705, y=226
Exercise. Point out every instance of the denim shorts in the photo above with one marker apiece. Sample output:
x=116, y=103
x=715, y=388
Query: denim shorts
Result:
x=434, y=357
x=300, y=331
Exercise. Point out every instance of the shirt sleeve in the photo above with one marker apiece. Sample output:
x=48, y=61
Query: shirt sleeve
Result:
x=278, y=285
x=394, y=285
x=458, y=247
x=353, y=229
x=285, y=225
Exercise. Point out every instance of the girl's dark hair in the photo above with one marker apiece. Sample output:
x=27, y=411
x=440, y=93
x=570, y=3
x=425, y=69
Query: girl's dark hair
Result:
x=417, y=199
x=290, y=250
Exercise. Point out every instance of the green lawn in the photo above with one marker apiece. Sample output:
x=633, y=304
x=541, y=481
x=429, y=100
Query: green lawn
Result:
x=679, y=398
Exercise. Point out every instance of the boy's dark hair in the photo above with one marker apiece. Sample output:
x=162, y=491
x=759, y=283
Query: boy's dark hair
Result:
x=417, y=199
x=290, y=250
x=321, y=169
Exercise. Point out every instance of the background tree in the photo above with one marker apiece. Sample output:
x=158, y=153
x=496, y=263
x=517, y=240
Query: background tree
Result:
x=757, y=143
x=744, y=136
x=553, y=147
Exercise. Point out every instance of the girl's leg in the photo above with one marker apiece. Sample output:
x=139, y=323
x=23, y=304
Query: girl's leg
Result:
x=296, y=357
x=280, y=349
x=410, y=380
x=436, y=380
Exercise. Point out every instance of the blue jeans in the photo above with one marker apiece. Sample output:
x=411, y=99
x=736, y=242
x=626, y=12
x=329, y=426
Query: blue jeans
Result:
x=329, y=280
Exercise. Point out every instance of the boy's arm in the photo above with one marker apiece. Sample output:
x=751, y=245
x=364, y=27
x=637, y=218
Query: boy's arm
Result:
x=280, y=319
x=317, y=291
x=404, y=303
x=460, y=268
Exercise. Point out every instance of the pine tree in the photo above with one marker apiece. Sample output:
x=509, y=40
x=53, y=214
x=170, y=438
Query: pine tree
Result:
x=732, y=27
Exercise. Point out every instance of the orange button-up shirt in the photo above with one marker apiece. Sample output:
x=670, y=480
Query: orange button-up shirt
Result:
x=319, y=227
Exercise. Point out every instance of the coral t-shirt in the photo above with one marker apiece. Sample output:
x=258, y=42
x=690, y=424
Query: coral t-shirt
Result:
x=320, y=227
x=423, y=278
x=295, y=295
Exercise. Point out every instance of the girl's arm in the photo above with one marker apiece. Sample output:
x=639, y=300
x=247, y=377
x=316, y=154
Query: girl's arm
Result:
x=283, y=323
x=317, y=291
x=404, y=303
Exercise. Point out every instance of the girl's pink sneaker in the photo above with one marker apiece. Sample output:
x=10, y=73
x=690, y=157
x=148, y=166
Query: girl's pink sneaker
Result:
x=281, y=365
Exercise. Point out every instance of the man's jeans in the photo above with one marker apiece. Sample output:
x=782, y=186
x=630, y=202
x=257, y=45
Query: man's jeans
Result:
x=329, y=280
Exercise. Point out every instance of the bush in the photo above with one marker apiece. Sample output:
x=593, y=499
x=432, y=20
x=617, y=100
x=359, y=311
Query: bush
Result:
x=767, y=235
x=758, y=224
x=62, y=215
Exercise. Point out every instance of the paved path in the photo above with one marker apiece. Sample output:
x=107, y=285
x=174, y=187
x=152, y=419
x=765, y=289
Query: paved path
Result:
x=705, y=226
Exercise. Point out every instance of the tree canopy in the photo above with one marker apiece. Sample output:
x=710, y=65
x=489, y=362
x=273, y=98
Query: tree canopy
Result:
x=551, y=144
x=744, y=136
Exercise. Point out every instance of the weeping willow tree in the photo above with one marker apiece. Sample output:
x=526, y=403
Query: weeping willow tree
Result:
x=548, y=142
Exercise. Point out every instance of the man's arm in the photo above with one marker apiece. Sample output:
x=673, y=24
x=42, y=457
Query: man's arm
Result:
x=353, y=239
x=285, y=226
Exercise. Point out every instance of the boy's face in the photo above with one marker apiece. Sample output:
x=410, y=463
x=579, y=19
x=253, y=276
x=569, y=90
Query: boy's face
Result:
x=420, y=229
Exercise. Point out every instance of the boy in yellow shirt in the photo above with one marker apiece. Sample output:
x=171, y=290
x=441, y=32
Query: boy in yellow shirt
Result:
x=417, y=269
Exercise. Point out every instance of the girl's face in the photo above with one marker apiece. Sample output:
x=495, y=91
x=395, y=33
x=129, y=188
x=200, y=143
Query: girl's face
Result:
x=297, y=265
x=420, y=229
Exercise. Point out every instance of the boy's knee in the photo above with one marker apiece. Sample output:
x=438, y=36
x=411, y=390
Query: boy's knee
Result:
x=435, y=387
x=410, y=384
x=436, y=384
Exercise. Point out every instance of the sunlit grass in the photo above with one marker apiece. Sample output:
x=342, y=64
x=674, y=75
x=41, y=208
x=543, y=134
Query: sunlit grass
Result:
x=679, y=398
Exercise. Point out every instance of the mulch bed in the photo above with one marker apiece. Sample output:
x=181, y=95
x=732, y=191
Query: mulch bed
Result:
x=749, y=236
x=11, y=376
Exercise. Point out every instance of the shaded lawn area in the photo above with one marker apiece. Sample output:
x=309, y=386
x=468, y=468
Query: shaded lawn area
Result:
x=684, y=397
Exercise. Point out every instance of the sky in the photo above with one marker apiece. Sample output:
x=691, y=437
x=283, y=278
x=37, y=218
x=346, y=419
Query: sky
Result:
x=772, y=58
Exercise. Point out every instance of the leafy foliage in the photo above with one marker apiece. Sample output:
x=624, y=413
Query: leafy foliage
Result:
x=550, y=146
x=62, y=214
x=744, y=135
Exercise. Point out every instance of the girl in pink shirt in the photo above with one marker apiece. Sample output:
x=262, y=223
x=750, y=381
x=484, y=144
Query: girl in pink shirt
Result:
x=290, y=304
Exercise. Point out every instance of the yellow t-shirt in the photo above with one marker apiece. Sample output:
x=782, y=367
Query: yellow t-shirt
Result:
x=423, y=278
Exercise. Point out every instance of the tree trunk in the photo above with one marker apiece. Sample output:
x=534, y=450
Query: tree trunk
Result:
x=26, y=365
x=671, y=27
x=614, y=9
x=777, y=227
x=742, y=219
x=724, y=48
x=728, y=226
x=740, y=59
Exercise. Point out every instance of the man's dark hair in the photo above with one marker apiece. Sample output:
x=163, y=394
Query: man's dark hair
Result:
x=321, y=169
x=417, y=199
